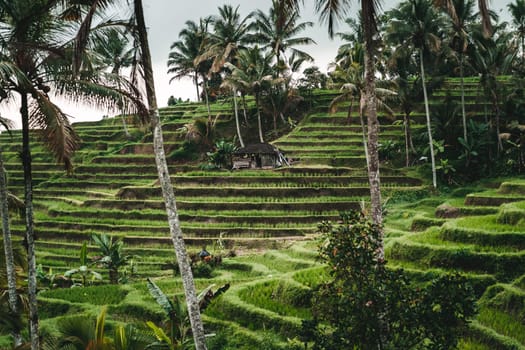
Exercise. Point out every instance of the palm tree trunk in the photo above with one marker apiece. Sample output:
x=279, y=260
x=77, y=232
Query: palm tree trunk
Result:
x=113, y=276
x=363, y=128
x=196, y=82
x=462, y=81
x=429, y=128
x=237, y=124
x=30, y=234
x=244, y=108
x=407, y=147
x=373, y=122
x=8, y=250
x=259, y=122
x=205, y=87
x=167, y=188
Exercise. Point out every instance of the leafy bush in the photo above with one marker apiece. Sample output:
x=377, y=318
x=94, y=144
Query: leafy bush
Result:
x=221, y=157
x=368, y=306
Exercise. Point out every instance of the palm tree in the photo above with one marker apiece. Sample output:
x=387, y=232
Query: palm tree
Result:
x=230, y=34
x=30, y=44
x=184, y=53
x=112, y=51
x=278, y=32
x=253, y=74
x=10, y=268
x=517, y=11
x=350, y=75
x=165, y=182
x=415, y=27
x=461, y=15
x=112, y=257
x=331, y=11
x=493, y=57
x=484, y=12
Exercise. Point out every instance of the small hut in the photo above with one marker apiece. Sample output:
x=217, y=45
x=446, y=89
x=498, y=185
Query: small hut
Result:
x=258, y=155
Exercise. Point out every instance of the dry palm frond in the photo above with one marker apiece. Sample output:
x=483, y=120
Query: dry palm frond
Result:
x=56, y=131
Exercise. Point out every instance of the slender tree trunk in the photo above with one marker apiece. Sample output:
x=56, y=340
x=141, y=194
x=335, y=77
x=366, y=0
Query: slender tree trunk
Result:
x=373, y=122
x=462, y=80
x=30, y=235
x=407, y=148
x=429, y=128
x=8, y=250
x=205, y=87
x=409, y=145
x=167, y=188
x=196, y=82
x=113, y=276
x=259, y=122
x=363, y=127
x=237, y=124
x=244, y=108
x=498, y=131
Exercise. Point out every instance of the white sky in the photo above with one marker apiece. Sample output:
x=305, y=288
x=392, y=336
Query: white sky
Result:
x=165, y=19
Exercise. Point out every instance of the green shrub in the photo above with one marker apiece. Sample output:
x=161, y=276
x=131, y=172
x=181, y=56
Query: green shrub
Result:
x=202, y=270
x=366, y=305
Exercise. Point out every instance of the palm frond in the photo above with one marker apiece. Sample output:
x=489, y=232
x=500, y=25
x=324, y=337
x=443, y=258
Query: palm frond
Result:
x=56, y=131
x=331, y=11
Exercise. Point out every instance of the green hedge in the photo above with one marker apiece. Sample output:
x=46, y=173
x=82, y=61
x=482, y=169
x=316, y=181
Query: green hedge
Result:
x=504, y=266
x=231, y=307
x=451, y=232
x=492, y=338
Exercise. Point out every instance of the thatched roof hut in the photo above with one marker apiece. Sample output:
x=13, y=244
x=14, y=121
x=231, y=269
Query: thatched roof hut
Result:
x=257, y=155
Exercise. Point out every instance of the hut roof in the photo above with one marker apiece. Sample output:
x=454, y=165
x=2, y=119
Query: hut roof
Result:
x=258, y=148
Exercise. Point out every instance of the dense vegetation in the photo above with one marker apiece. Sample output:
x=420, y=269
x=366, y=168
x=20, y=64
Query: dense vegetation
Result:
x=104, y=270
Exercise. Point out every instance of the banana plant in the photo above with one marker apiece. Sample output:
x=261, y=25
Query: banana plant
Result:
x=178, y=324
x=84, y=270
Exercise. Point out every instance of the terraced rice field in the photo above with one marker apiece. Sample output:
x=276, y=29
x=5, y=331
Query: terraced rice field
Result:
x=269, y=218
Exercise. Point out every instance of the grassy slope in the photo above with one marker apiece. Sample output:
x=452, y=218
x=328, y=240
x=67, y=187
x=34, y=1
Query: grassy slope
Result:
x=269, y=290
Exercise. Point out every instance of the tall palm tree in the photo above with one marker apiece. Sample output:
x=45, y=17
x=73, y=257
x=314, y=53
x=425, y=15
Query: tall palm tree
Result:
x=113, y=52
x=278, y=30
x=493, y=57
x=350, y=75
x=32, y=40
x=517, y=11
x=461, y=14
x=253, y=73
x=484, y=12
x=10, y=268
x=330, y=12
x=184, y=52
x=165, y=183
x=230, y=34
x=415, y=27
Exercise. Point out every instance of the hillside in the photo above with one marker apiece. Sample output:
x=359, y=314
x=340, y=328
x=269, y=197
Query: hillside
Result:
x=269, y=218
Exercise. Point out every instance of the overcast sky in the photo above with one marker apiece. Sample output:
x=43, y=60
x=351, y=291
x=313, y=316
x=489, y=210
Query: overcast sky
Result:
x=165, y=19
